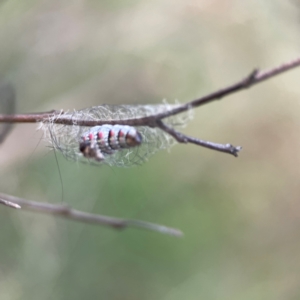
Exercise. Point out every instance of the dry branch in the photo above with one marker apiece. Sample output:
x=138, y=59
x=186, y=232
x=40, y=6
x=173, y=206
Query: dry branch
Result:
x=76, y=215
x=155, y=120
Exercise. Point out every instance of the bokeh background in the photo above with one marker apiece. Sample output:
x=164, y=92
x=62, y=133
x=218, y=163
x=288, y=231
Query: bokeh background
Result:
x=241, y=217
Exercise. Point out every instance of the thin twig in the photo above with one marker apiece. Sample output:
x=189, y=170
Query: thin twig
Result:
x=253, y=78
x=29, y=118
x=7, y=105
x=182, y=138
x=10, y=204
x=76, y=215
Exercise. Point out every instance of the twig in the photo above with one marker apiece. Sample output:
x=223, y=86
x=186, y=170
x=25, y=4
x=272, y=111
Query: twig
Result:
x=28, y=118
x=155, y=120
x=182, y=138
x=253, y=78
x=76, y=215
x=10, y=204
x=7, y=105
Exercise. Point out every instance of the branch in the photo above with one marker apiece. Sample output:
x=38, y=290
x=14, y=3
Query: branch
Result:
x=76, y=215
x=253, y=78
x=7, y=106
x=182, y=138
x=155, y=120
x=9, y=204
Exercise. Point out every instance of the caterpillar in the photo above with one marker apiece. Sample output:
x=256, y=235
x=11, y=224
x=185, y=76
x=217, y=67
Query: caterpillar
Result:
x=104, y=140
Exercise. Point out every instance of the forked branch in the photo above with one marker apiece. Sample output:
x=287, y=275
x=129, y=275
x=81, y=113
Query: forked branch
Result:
x=156, y=120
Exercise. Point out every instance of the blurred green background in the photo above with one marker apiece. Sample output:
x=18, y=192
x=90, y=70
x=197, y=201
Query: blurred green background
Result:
x=241, y=217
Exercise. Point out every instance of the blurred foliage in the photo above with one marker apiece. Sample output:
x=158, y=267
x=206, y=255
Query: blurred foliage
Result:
x=240, y=216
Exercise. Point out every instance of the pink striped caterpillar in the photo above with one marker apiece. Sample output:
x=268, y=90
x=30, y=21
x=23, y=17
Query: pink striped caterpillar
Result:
x=104, y=140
